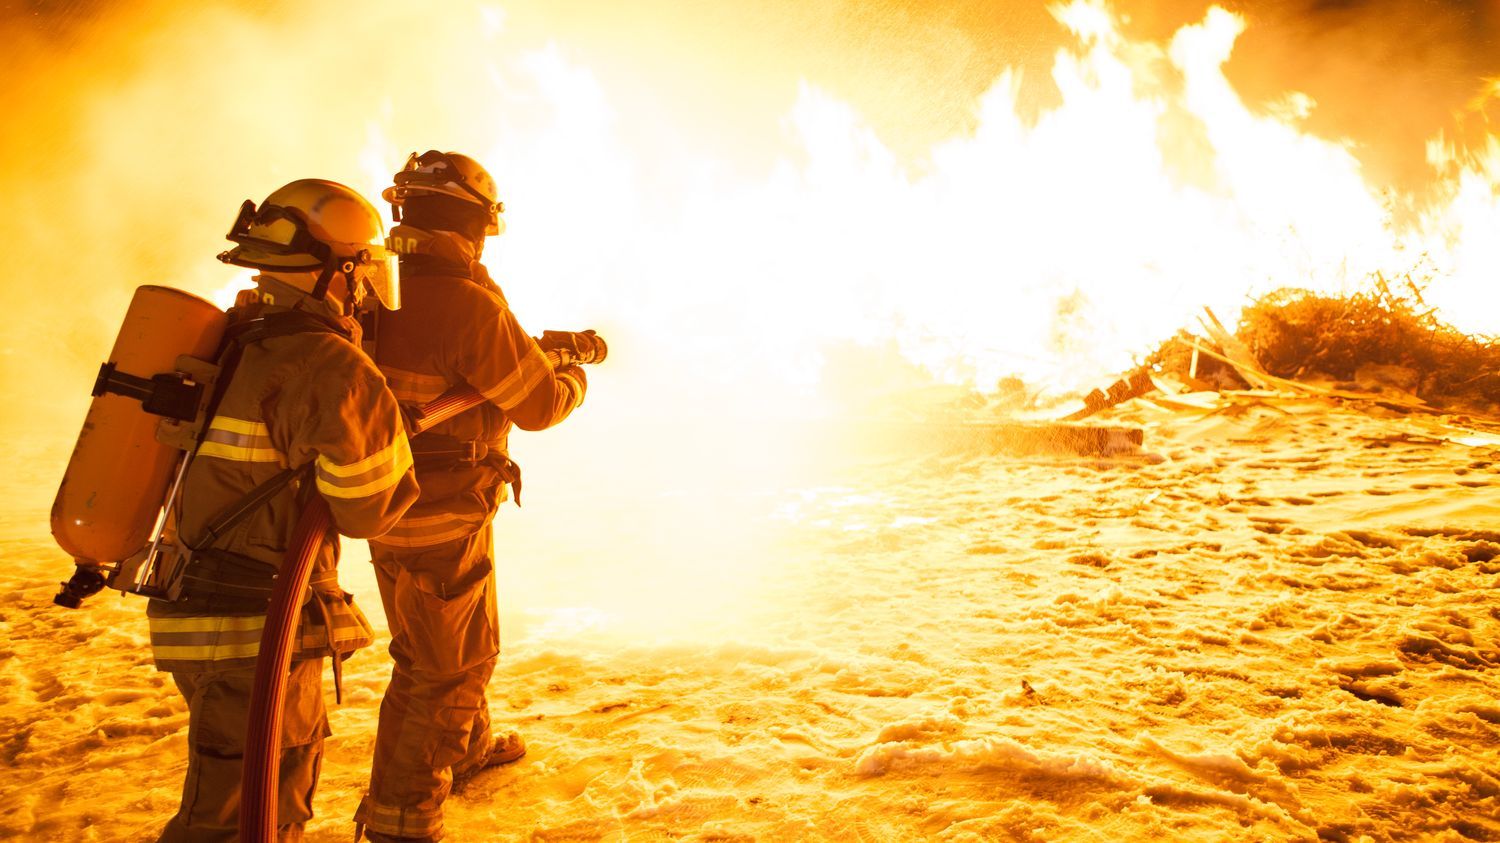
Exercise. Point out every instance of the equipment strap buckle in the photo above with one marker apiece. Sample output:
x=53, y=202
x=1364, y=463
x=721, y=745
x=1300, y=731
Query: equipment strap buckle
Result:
x=170, y=394
x=448, y=449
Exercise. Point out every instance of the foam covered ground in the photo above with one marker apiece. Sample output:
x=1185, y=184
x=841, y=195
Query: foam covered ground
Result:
x=1284, y=627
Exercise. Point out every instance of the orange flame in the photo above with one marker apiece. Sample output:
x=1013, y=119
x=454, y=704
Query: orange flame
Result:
x=1053, y=248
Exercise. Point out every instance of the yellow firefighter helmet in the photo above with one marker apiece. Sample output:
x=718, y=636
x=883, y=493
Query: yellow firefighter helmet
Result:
x=448, y=174
x=314, y=225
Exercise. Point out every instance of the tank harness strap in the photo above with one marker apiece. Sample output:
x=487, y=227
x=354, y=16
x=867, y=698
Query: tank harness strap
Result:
x=247, y=326
x=169, y=394
x=249, y=503
x=283, y=323
x=229, y=574
x=244, y=331
x=236, y=576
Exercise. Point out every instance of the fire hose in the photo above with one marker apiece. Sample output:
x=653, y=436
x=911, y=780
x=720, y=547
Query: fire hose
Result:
x=262, y=770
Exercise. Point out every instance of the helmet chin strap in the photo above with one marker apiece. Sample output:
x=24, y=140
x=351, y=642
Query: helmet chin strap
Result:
x=339, y=266
x=358, y=292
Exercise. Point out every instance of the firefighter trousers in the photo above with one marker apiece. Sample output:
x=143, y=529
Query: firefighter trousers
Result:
x=435, y=719
x=218, y=708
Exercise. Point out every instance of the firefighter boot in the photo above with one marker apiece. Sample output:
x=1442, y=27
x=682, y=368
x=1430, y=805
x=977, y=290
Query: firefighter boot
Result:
x=504, y=749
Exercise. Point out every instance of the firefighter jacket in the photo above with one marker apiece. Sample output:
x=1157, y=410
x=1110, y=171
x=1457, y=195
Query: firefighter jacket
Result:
x=455, y=327
x=308, y=399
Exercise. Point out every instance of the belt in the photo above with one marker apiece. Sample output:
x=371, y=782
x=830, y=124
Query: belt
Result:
x=436, y=452
x=436, y=447
x=223, y=573
x=226, y=574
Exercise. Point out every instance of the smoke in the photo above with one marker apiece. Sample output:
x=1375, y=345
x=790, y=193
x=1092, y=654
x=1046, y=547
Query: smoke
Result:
x=137, y=128
x=1386, y=74
x=771, y=210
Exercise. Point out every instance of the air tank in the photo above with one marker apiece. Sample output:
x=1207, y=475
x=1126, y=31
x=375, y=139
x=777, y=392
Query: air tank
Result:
x=112, y=492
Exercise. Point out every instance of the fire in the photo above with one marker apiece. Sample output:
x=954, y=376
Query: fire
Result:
x=224, y=296
x=743, y=269
x=1054, y=248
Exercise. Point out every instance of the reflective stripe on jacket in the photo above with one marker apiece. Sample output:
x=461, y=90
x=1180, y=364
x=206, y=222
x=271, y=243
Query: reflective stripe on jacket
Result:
x=293, y=400
x=216, y=639
x=454, y=329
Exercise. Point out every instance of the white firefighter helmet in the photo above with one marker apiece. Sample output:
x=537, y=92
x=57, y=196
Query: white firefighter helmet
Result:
x=447, y=174
x=314, y=225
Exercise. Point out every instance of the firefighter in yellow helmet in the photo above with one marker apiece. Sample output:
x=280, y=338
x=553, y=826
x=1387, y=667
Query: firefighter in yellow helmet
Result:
x=436, y=568
x=299, y=410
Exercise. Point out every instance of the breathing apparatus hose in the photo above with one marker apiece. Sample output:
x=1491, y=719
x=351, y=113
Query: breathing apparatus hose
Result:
x=262, y=768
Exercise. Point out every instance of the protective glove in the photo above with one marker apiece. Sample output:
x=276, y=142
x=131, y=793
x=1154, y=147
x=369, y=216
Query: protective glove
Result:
x=574, y=346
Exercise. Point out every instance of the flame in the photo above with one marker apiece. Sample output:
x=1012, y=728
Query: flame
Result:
x=742, y=268
x=224, y=296
x=1056, y=248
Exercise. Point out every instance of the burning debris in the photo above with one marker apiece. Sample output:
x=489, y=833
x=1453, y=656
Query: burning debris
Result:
x=1376, y=345
x=1380, y=346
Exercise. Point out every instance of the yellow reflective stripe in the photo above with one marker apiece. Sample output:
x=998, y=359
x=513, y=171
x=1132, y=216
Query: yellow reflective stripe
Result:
x=420, y=522
x=241, y=426
x=233, y=623
x=210, y=652
x=235, y=452
x=375, y=460
x=428, y=530
x=399, y=822
x=413, y=387
x=518, y=384
x=424, y=540
x=379, y=471
x=240, y=440
x=198, y=638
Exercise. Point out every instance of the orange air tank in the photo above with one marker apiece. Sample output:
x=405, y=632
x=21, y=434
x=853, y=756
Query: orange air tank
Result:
x=112, y=493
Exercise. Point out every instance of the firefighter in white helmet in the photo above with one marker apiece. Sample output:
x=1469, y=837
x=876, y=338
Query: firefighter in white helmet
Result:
x=436, y=568
x=298, y=405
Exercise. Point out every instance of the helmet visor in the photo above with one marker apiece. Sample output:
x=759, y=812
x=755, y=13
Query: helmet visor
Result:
x=383, y=274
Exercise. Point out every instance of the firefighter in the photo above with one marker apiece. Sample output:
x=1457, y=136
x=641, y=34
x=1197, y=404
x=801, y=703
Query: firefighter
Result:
x=436, y=568
x=300, y=395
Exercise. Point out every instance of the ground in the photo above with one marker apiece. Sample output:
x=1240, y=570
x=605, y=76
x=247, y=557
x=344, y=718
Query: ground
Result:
x=1280, y=623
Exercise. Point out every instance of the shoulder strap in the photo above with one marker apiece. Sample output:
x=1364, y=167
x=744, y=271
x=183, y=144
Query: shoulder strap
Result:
x=249, y=503
x=282, y=323
x=245, y=332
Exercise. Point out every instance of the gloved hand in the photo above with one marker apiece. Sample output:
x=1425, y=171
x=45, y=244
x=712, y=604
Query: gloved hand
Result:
x=575, y=346
x=409, y=414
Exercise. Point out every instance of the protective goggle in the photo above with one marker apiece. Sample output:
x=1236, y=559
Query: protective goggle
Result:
x=273, y=220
